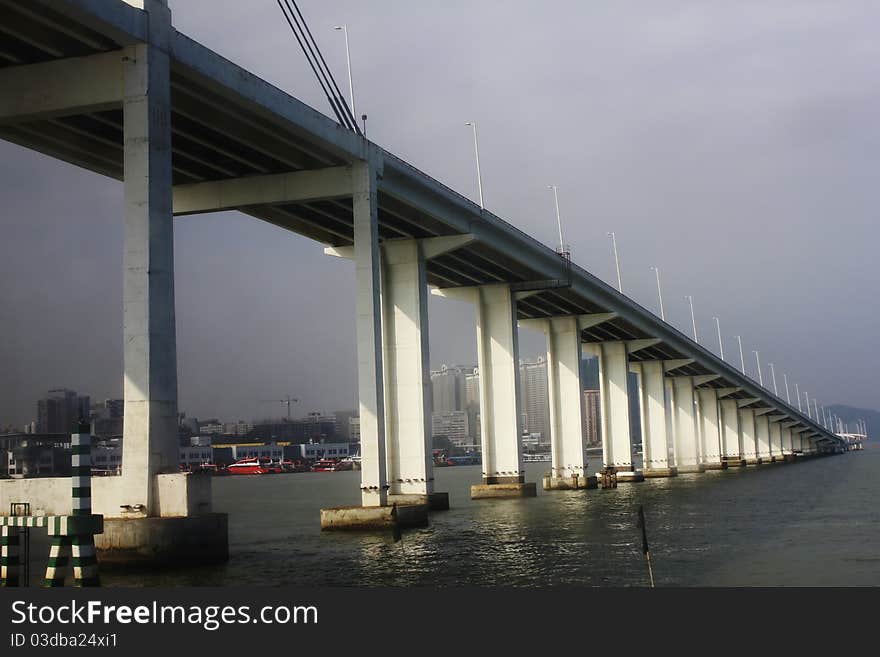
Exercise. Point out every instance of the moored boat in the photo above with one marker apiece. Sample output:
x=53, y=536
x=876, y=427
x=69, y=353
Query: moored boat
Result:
x=252, y=466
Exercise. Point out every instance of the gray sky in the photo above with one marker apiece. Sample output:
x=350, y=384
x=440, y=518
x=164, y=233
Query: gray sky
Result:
x=732, y=144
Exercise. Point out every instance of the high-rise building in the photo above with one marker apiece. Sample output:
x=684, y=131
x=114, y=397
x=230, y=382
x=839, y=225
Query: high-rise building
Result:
x=108, y=418
x=592, y=431
x=61, y=411
x=448, y=387
x=472, y=403
x=343, y=424
x=534, y=398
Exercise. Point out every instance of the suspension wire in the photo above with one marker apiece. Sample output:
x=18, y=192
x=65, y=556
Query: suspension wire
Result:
x=339, y=95
x=327, y=93
x=302, y=31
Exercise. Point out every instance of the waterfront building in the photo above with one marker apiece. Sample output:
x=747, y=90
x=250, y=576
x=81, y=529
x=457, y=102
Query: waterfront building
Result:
x=452, y=425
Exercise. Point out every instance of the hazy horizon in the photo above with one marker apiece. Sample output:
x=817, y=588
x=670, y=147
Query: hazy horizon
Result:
x=732, y=145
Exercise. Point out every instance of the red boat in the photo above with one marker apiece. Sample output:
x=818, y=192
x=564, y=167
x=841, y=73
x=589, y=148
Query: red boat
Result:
x=253, y=466
x=325, y=465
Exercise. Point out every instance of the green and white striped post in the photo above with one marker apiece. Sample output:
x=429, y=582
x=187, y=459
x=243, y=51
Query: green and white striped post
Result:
x=59, y=559
x=85, y=561
x=73, y=538
x=9, y=555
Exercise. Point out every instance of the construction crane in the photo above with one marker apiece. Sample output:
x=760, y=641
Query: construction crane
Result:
x=288, y=401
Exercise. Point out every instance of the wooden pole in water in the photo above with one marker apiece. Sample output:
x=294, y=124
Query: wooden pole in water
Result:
x=645, y=548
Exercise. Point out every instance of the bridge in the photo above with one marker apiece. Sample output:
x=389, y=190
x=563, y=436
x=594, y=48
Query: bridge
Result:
x=111, y=86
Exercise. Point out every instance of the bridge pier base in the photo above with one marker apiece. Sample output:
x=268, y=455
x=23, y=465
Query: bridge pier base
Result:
x=155, y=542
x=366, y=518
x=434, y=501
x=574, y=482
x=498, y=491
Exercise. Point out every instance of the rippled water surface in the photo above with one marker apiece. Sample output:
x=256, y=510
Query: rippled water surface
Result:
x=809, y=523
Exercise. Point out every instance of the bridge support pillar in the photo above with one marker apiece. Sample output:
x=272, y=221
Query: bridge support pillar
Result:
x=614, y=408
x=796, y=441
x=710, y=429
x=407, y=376
x=151, y=482
x=684, y=425
x=500, y=413
x=762, y=436
x=568, y=468
x=775, y=440
x=730, y=435
x=747, y=436
x=652, y=402
x=371, y=381
x=786, y=438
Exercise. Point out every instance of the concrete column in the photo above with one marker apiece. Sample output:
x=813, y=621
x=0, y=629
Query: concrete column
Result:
x=684, y=422
x=710, y=429
x=775, y=439
x=747, y=435
x=614, y=400
x=150, y=442
x=730, y=435
x=498, y=360
x=407, y=372
x=762, y=436
x=786, y=440
x=371, y=389
x=653, y=402
x=568, y=468
x=796, y=443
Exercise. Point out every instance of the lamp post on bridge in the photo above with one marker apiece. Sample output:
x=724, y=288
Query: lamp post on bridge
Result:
x=659, y=292
x=344, y=29
x=690, y=300
x=787, y=393
x=473, y=125
x=773, y=376
x=797, y=393
x=816, y=409
x=758, y=360
x=616, y=260
x=807, y=399
x=742, y=361
x=720, y=343
x=555, y=189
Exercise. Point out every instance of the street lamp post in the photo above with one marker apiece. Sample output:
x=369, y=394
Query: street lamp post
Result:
x=616, y=261
x=742, y=361
x=344, y=29
x=555, y=189
x=773, y=375
x=693, y=317
x=659, y=292
x=473, y=124
x=797, y=393
x=807, y=400
x=787, y=393
x=720, y=343
x=760, y=376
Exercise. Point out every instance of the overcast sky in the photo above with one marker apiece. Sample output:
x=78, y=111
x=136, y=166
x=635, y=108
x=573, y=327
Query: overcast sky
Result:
x=732, y=144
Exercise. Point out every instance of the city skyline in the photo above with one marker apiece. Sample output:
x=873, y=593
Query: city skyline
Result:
x=249, y=322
